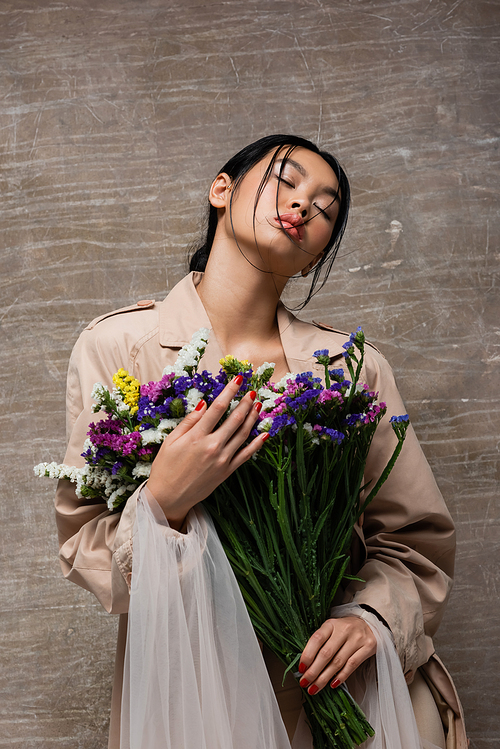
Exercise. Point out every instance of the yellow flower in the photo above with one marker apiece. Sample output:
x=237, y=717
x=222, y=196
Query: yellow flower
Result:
x=129, y=388
x=232, y=366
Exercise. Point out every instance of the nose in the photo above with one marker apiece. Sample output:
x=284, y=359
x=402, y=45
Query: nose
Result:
x=301, y=206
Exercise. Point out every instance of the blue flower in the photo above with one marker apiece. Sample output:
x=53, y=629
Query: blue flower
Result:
x=334, y=435
x=353, y=419
x=399, y=419
x=304, y=378
x=336, y=374
x=302, y=400
x=181, y=384
x=357, y=336
x=204, y=382
x=280, y=422
x=323, y=356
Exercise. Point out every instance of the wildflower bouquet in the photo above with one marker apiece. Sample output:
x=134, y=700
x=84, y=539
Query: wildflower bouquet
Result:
x=285, y=518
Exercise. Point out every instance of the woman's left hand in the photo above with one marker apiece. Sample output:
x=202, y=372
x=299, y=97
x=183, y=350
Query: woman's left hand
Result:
x=334, y=652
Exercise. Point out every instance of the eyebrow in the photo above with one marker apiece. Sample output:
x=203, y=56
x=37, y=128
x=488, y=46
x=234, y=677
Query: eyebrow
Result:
x=300, y=169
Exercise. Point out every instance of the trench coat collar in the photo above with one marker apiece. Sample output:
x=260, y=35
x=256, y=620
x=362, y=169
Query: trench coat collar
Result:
x=182, y=314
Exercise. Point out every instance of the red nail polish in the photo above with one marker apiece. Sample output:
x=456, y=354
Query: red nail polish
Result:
x=238, y=380
x=304, y=683
x=313, y=690
x=335, y=683
x=302, y=668
x=253, y=394
x=200, y=405
x=265, y=436
x=257, y=407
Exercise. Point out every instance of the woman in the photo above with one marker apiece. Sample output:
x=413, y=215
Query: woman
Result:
x=277, y=209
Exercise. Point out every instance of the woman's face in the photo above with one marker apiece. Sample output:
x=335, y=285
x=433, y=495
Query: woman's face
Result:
x=295, y=215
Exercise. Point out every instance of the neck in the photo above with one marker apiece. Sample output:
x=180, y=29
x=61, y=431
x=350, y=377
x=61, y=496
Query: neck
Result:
x=240, y=301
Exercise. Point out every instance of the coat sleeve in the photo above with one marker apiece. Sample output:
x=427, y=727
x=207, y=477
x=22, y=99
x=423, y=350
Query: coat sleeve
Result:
x=95, y=544
x=408, y=532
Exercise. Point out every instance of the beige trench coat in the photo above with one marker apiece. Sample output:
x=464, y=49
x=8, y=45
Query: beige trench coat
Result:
x=404, y=550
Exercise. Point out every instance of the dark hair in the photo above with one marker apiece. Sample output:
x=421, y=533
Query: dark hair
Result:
x=241, y=163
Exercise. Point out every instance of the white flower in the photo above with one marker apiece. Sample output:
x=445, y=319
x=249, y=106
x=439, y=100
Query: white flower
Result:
x=117, y=493
x=119, y=402
x=42, y=469
x=166, y=425
x=268, y=399
x=190, y=354
x=57, y=471
x=312, y=434
x=193, y=397
x=99, y=391
x=265, y=424
x=141, y=470
x=200, y=337
x=232, y=406
x=284, y=380
x=267, y=365
x=152, y=436
x=264, y=393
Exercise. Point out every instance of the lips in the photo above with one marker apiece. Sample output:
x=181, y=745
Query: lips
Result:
x=293, y=224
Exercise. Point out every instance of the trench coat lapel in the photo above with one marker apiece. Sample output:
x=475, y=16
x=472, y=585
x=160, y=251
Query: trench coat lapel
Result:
x=301, y=339
x=182, y=314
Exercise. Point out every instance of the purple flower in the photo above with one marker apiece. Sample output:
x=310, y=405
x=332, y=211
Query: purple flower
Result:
x=323, y=356
x=153, y=390
x=333, y=434
x=302, y=400
x=181, y=384
x=280, y=422
x=330, y=394
x=204, y=382
x=306, y=378
x=336, y=374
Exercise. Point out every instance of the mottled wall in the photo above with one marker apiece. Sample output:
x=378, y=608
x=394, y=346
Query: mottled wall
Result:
x=114, y=116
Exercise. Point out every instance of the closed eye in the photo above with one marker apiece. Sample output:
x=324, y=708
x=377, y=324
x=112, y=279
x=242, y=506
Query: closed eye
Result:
x=322, y=210
x=281, y=179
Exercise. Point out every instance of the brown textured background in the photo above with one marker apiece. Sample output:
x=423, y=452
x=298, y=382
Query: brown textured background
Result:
x=114, y=117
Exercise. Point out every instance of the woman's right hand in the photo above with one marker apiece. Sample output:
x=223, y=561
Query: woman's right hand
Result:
x=196, y=457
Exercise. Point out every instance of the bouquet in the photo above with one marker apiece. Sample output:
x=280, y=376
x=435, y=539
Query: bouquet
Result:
x=286, y=517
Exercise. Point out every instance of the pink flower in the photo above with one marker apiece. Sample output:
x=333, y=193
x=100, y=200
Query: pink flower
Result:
x=328, y=395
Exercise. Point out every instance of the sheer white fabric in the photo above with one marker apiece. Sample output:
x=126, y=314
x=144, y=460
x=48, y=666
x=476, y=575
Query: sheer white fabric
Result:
x=194, y=675
x=380, y=690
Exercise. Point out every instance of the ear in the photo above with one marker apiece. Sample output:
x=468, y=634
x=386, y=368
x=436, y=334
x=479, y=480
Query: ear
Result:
x=220, y=191
x=311, y=265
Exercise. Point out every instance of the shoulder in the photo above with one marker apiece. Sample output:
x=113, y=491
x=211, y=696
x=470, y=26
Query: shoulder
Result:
x=132, y=314
x=114, y=338
x=376, y=372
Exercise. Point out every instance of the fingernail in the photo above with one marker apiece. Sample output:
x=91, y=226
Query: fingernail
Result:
x=335, y=683
x=253, y=394
x=302, y=668
x=257, y=407
x=238, y=380
x=265, y=436
x=313, y=690
x=200, y=405
x=304, y=683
